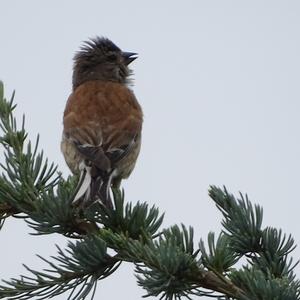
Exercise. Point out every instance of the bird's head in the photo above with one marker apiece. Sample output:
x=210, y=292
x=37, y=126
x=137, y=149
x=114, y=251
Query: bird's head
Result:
x=101, y=59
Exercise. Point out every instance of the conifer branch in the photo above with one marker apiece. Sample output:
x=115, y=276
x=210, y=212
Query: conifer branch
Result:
x=77, y=270
x=167, y=262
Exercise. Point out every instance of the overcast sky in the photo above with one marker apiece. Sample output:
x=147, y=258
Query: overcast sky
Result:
x=219, y=85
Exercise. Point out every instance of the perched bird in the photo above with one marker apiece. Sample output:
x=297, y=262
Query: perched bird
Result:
x=102, y=120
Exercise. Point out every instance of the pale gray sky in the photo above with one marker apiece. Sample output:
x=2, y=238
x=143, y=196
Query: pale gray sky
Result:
x=219, y=85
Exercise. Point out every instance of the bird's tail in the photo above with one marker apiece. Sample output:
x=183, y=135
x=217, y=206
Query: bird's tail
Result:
x=100, y=189
x=93, y=186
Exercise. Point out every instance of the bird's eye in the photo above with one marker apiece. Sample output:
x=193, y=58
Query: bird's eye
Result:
x=112, y=57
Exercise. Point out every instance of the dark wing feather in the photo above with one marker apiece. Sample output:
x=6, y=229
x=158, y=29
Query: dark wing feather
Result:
x=105, y=161
x=96, y=155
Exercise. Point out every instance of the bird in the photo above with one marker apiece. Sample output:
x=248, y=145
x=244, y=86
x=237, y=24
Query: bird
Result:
x=102, y=120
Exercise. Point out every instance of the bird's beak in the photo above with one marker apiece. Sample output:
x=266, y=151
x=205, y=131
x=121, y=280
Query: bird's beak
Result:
x=129, y=57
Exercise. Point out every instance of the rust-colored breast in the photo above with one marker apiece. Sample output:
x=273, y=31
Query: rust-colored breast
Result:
x=105, y=113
